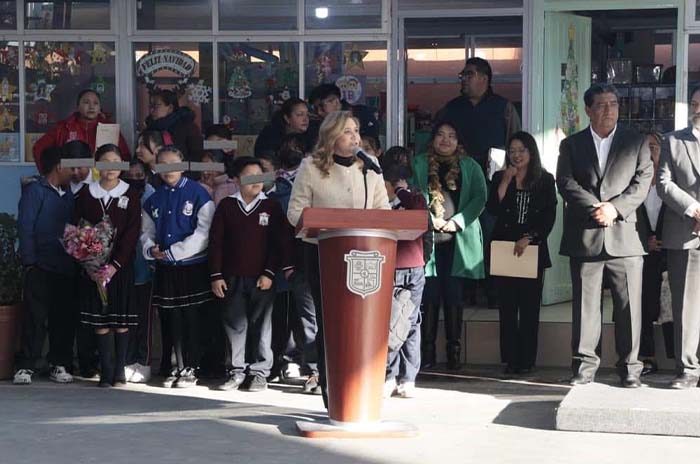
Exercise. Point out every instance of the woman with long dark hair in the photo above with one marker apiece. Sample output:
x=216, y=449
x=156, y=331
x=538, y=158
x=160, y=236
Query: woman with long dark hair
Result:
x=292, y=118
x=455, y=190
x=166, y=115
x=523, y=199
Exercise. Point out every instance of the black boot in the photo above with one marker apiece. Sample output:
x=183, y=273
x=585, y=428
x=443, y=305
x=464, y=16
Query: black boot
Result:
x=453, y=334
x=105, y=346
x=121, y=343
x=428, y=328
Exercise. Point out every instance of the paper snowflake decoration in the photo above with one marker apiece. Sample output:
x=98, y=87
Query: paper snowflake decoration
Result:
x=199, y=93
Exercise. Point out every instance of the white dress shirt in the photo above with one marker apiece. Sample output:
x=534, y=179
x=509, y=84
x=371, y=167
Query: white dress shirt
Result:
x=602, y=147
x=652, y=203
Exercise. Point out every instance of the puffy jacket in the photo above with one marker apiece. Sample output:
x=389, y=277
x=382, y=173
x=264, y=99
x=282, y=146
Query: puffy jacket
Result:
x=70, y=129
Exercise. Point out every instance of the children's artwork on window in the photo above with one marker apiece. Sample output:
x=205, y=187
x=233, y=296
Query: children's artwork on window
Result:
x=9, y=147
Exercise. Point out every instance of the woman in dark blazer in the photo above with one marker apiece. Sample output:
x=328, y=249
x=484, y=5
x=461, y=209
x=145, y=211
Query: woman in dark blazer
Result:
x=523, y=199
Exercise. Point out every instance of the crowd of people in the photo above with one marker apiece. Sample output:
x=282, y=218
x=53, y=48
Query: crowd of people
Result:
x=239, y=297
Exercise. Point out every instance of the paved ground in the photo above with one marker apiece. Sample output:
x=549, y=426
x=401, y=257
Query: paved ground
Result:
x=472, y=417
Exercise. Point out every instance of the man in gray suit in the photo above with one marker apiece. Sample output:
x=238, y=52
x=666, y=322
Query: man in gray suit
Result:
x=678, y=186
x=603, y=174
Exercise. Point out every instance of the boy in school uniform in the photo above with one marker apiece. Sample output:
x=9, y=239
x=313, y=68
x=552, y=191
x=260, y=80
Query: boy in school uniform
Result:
x=249, y=241
x=45, y=207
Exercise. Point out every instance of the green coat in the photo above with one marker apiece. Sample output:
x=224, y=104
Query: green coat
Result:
x=469, y=250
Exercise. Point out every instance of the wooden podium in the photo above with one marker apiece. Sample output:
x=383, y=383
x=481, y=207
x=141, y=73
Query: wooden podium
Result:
x=357, y=258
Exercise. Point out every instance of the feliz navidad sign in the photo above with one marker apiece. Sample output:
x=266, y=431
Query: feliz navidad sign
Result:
x=175, y=61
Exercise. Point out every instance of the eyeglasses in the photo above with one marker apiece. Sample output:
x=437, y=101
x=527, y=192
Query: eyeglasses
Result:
x=463, y=74
x=514, y=152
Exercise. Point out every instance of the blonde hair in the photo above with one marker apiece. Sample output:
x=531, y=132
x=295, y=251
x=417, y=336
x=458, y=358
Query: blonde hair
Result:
x=331, y=130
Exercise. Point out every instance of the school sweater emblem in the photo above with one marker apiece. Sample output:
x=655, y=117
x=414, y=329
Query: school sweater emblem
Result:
x=264, y=219
x=188, y=208
x=364, y=272
x=123, y=202
x=154, y=213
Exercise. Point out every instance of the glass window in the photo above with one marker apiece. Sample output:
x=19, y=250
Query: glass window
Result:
x=343, y=14
x=183, y=67
x=693, y=67
x=255, y=79
x=8, y=15
x=9, y=102
x=270, y=15
x=61, y=14
x=358, y=69
x=173, y=14
x=697, y=10
x=55, y=73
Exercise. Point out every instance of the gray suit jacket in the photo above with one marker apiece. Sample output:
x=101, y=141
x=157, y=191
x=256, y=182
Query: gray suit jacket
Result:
x=678, y=185
x=624, y=183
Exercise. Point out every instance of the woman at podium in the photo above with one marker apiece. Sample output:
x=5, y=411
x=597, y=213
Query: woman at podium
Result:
x=332, y=177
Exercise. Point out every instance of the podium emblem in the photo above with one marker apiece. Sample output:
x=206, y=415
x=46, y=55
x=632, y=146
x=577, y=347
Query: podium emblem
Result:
x=364, y=272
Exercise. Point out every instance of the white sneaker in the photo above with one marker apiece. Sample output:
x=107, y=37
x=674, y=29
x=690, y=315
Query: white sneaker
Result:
x=390, y=388
x=292, y=371
x=406, y=390
x=142, y=374
x=129, y=371
x=23, y=377
x=60, y=375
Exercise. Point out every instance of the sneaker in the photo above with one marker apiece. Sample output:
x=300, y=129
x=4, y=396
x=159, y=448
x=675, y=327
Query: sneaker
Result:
x=311, y=385
x=406, y=390
x=171, y=378
x=23, y=377
x=129, y=371
x=292, y=371
x=234, y=380
x=60, y=375
x=390, y=388
x=142, y=374
x=257, y=383
x=186, y=379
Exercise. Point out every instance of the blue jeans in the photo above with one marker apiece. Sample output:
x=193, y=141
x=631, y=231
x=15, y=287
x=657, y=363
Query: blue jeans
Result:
x=404, y=364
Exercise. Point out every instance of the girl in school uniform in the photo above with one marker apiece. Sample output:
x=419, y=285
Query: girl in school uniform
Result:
x=114, y=199
x=175, y=233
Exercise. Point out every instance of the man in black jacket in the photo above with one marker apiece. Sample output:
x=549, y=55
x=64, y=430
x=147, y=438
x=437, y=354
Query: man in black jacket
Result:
x=603, y=174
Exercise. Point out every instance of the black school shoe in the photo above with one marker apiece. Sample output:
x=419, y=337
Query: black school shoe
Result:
x=186, y=379
x=256, y=383
x=234, y=380
x=170, y=378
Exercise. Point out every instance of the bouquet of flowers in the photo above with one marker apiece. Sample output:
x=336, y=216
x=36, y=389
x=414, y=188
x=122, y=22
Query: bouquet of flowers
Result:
x=91, y=246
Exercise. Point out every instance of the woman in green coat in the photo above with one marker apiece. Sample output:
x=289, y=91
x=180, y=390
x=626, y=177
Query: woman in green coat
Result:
x=455, y=190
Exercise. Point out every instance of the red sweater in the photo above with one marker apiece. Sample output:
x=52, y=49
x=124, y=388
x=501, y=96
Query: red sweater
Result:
x=126, y=219
x=70, y=129
x=410, y=254
x=249, y=243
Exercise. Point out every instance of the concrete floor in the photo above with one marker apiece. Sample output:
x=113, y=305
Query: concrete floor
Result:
x=476, y=416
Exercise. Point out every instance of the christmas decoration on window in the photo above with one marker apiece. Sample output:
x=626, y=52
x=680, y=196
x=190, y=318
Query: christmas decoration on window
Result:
x=166, y=59
x=99, y=85
x=568, y=105
x=353, y=58
x=99, y=54
x=40, y=90
x=199, y=93
x=238, y=85
x=324, y=67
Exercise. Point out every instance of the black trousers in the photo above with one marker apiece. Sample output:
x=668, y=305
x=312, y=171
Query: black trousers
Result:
x=49, y=300
x=624, y=276
x=445, y=290
x=247, y=318
x=284, y=330
x=139, y=350
x=519, y=315
x=652, y=276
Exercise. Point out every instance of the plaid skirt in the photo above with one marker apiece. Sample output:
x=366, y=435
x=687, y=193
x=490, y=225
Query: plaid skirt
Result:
x=117, y=313
x=181, y=287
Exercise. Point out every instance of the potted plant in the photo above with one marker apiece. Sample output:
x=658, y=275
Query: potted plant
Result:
x=10, y=293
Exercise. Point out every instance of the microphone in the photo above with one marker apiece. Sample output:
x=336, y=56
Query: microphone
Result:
x=369, y=162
